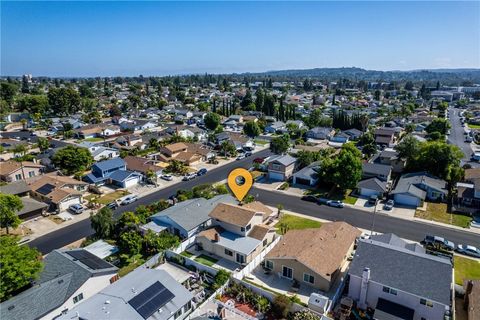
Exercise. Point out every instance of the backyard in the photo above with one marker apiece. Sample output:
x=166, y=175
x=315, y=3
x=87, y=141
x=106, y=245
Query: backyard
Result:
x=292, y=222
x=206, y=260
x=107, y=198
x=438, y=212
x=466, y=268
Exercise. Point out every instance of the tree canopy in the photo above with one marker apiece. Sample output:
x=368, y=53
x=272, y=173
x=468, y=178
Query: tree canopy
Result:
x=103, y=223
x=72, y=159
x=280, y=144
x=212, y=120
x=9, y=206
x=252, y=129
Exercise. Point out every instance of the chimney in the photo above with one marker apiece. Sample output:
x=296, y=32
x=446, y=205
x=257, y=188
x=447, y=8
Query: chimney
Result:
x=216, y=237
x=364, y=288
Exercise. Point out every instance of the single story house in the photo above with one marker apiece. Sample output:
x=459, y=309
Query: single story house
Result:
x=354, y=134
x=313, y=257
x=320, y=133
x=413, y=188
x=372, y=187
x=275, y=127
x=340, y=137
x=307, y=176
x=375, y=170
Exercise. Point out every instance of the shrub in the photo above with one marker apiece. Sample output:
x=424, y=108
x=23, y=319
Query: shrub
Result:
x=281, y=306
x=220, y=279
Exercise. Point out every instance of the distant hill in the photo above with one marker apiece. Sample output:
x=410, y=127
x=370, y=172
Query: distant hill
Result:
x=353, y=73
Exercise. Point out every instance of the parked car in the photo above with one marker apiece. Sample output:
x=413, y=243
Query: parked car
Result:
x=128, y=200
x=310, y=199
x=438, y=243
x=76, y=208
x=167, y=177
x=468, y=250
x=189, y=176
x=201, y=172
x=259, y=160
x=113, y=205
x=335, y=203
x=241, y=156
x=389, y=205
x=248, y=154
x=372, y=200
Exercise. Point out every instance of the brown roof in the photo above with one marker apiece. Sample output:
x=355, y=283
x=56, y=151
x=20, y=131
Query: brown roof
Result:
x=210, y=233
x=471, y=174
x=176, y=147
x=57, y=181
x=473, y=299
x=58, y=195
x=8, y=167
x=259, y=207
x=198, y=149
x=259, y=231
x=140, y=164
x=331, y=242
x=233, y=214
x=187, y=157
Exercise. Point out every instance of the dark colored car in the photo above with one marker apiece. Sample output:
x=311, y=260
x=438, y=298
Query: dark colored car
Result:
x=310, y=199
x=201, y=172
x=113, y=205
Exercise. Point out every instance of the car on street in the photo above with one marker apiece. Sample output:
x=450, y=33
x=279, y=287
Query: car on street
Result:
x=335, y=203
x=389, y=205
x=112, y=205
x=248, y=154
x=128, y=200
x=166, y=177
x=310, y=199
x=438, y=243
x=201, y=172
x=189, y=176
x=259, y=160
x=76, y=208
x=241, y=156
x=468, y=250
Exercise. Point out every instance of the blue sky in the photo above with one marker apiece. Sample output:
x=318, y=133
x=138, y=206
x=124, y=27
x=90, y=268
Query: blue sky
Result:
x=157, y=38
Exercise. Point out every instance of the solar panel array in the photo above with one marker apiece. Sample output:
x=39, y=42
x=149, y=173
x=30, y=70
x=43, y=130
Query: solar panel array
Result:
x=46, y=189
x=151, y=299
x=89, y=259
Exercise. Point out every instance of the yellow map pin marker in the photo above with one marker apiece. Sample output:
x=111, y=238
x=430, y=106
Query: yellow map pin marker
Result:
x=240, y=191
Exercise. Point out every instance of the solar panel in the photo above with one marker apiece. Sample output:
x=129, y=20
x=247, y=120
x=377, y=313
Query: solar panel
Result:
x=151, y=299
x=89, y=259
x=46, y=189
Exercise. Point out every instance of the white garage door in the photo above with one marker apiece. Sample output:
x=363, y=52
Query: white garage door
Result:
x=406, y=200
x=368, y=192
x=275, y=176
x=131, y=182
x=68, y=202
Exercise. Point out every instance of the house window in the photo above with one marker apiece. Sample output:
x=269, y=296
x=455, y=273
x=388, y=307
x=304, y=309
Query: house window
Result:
x=426, y=302
x=308, y=278
x=249, y=227
x=390, y=290
x=228, y=252
x=240, y=258
x=265, y=242
x=78, y=298
x=31, y=174
x=242, y=229
x=275, y=166
x=18, y=177
x=269, y=264
x=178, y=314
x=287, y=272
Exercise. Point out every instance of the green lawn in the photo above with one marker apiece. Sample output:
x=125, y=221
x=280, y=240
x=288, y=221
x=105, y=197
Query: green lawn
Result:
x=93, y=139
x=260, y=142
x=474, y=126
x=466, y=268
x=333, y=194
x=206, y=260
x=109, y=197
x=438, y=212
x=186, y=254
x=295, y=222
x=129, y=267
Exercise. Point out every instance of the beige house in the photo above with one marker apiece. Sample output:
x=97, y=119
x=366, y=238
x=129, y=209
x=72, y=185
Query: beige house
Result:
x=281, y=168
x=11, y=171
x=172, y=150
x=239, y=233
x=313, y=257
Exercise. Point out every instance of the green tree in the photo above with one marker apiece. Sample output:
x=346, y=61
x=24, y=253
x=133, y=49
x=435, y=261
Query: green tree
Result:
x=305, y=158
x=20, y=265
x=281, y=306
x=280, y=145
x=259, y=99
x=408, y=148
x=103, y=223
x=228, y=149
x=10, y=205
x=128, y=220
x=8, y=91
x=130, y=242
x=33, y=104
x=212, y=120
x=345, y=171
x=177, y=167
x=247, y=100
x=251, y=129
x=63, y=101
x=72, y=159
x=439, y=159
x=43, y=144
x=154, y=243
x=20, y=149
x=438, y=125
x=305, y=315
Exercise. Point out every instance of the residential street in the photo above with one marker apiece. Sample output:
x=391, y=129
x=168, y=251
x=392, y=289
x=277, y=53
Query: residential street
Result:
x=457, y=137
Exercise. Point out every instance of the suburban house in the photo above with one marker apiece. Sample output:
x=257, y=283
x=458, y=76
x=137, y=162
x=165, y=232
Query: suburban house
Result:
x=143, y=294
x=414, y=188
x=372, y=187
x=144, y=165
x=238, y=234
x=390, y=157
x=31, y=207
x=130, y=141
x=468, y=192
x=313, y=257
x=11, y=171
x=320, y=133
x=137, y=125
x=399, y=280
x=100, y=152
x=113, y=171
x=276, y=126
x=340, y=137
x=307, y=176
x=281, y=167
x=59, y=192
x=472, y=298
x=68, y=278
x=186, y=218
x=375, y=170
x=203, y=151
x=172, y=150
x=354, y=134
x=385, y=136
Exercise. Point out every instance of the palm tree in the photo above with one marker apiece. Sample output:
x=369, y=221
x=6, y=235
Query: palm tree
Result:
x=151, y=176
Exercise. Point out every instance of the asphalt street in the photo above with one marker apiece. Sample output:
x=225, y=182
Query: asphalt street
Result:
x=81, y=229
x=457, y=137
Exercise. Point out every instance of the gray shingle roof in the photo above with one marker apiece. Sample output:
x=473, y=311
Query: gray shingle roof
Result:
x=373, y=184
x=375, y=168
x=395, y=266
x=412, y=183
x=286, y=160
x=191, y=213
x=16, y=187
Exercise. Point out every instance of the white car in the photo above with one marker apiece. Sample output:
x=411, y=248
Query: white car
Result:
x=128, y=200
x=241, y=156
x=167, y=177
x=76, y=208
x=468, y=250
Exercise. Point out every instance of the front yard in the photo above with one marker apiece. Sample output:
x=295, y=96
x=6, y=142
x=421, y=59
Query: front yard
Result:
x=438, y=212
x=466, y=268
x=107, y=198
x=292, y=222
x=333, y=194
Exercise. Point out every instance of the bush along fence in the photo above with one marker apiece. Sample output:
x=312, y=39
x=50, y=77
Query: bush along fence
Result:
x=188, y=263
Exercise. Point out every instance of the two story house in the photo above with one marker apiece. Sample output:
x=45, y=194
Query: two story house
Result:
x=281, y=167
x=320, y=133
x=11, y=171
x=399, y=280
x=239, y=233
x=113, y=171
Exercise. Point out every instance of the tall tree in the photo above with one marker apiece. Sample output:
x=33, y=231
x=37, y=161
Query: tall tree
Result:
x=212, y=120
x=280, y=145
x=10, y=205
x=72, y=159
x=103, y=223
x=251, y=129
